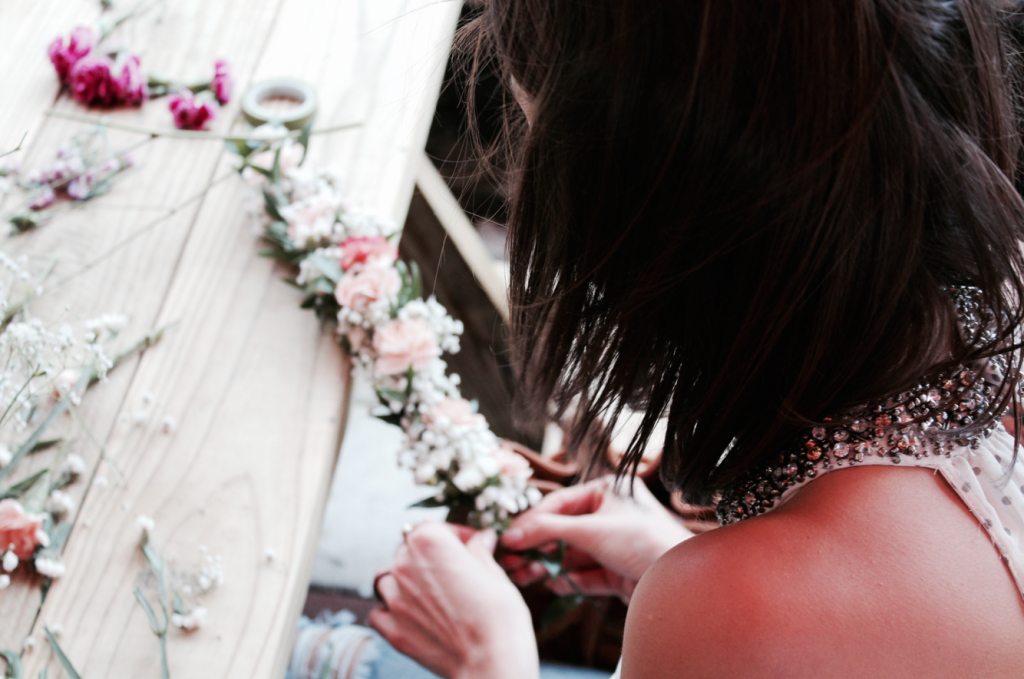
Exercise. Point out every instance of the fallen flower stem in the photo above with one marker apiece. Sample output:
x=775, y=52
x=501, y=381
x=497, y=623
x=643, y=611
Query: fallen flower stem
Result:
x=61, y=184
x=16, y=148
x=64, y=403
x=184, y=134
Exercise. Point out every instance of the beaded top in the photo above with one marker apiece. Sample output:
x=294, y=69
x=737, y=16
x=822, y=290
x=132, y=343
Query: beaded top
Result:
x=932, y=419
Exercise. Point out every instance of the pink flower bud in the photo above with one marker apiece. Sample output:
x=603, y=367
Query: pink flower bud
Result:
x=131, y=84
x=223, y=84
x=190, y=114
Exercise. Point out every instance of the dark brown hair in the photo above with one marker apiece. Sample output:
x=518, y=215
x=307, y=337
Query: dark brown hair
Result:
x=743, y=215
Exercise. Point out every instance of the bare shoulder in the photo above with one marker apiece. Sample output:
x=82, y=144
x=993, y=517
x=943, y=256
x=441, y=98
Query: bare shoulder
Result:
x=841, y=581
x=710, y=605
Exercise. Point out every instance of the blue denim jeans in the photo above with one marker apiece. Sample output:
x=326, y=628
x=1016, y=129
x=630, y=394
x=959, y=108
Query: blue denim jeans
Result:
x=333, y=645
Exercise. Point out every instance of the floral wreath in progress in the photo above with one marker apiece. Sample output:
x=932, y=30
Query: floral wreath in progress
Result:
x=347, y=266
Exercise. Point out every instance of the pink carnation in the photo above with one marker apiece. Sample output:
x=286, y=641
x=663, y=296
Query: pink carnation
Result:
x=190, y=114
x=359, y=290
x=367, y=250
x=401, y=345
x=131, y=84
x=65, y=55
x=19, y=531
x=457, y=411
x=92, y=80
x=222, y=84
x=511, y=463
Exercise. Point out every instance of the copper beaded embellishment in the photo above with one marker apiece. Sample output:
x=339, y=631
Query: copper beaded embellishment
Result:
x=927, y=420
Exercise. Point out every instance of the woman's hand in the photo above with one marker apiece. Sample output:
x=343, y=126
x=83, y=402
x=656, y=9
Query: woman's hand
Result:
x=450, y=607
x=613, y=538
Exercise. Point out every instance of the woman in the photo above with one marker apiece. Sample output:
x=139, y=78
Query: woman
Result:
x=791, y=229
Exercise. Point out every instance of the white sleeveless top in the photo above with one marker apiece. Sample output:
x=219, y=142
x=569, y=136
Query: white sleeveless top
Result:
x=984, y=480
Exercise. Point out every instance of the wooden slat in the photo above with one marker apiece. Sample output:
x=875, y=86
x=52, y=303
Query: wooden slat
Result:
x=257, y=389
x=463, y=235
x=135, y=279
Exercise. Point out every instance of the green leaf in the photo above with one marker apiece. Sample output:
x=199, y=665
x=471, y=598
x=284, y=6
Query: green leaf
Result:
x=58, y=536
x=22, y=487
x=304, y=139
x=275, y=170
x=179, y=605
x=324, y=286
x=43, y=445
x=43, y=673
x=429, y=503
x=559, y=608
x=61, y=658
x=153, y=623
x=271, y=205
x=327, y=267
x=262, y=170
x=393, y=419
x=14, y=669
x=241, y=146
x=24, y=222
x=417, y=280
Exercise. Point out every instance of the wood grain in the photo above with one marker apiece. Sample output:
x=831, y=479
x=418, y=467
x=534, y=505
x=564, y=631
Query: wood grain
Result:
x=257, y=388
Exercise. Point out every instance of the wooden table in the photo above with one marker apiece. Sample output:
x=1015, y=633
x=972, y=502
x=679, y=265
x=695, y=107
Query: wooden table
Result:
x=257, y=388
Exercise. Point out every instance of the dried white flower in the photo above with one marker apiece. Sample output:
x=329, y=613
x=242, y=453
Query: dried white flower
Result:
x=5, y=455
x=5, y=581
x=100, y=482
x=190, y=621
x=74, y=465
x=167, y=425
x=270, y=555
x=211, y=574
x=28, y=644
x=139, y=417
x=51, y=568
x=147, y=398
x=10, y=561
x=59, y=503
x=145, y=524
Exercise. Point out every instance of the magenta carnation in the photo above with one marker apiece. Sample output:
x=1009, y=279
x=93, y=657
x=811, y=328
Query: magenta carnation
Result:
x=131, y=84
x=65, y=55
x=92, y=80
x=190, y=114
x=222, y=83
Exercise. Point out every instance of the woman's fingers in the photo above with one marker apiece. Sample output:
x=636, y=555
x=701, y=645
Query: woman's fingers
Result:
x=528, y=574
x=595, y=582
x=537, y=528
x=585, y=498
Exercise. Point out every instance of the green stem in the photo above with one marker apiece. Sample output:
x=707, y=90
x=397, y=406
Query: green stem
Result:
x=16, y=148
x=184, y=134
x=13, y=311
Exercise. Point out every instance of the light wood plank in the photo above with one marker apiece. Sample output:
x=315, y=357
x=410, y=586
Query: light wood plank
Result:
x=136, y=278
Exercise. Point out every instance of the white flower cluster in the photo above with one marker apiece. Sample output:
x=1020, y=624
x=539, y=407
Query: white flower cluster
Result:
x=40, y=362
x=444, y=326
